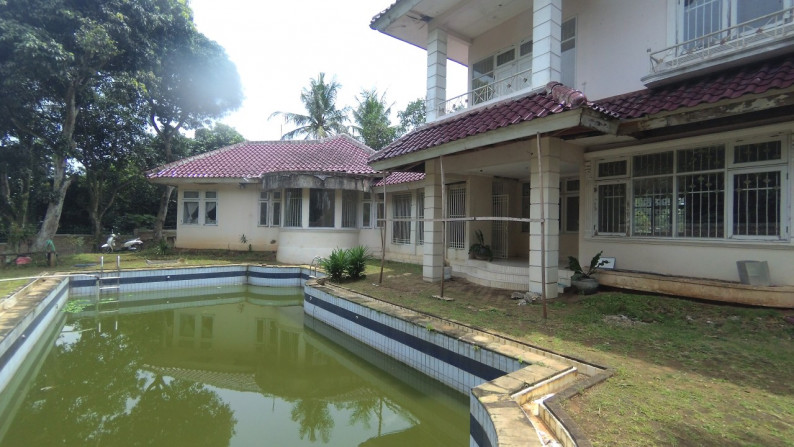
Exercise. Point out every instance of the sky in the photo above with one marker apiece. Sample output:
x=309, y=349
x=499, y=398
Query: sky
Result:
x=278, y=46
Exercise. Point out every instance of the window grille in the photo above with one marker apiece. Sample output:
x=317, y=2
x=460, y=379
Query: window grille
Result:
x=349, y=202
x=701, y=205
x=612, y=168
x=612, y=208
x=456, y=208
x=500, y=204
x=263, y=206
x=505, y=57
x=293, y=207
x=366, y=215
x=401, y=231
x=757, y=152
x=321, y=208
x=757, y=203
x=653, y=199
x=420, y=214
x=525, y=49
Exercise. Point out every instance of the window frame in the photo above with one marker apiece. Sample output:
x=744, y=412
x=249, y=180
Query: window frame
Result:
x=327, y=211
x=724, y=194
x=401, y=230
x=210, y=197
x=293, y=207
x=193, y=200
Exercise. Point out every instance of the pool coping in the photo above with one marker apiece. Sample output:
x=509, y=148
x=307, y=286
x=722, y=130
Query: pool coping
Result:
x=505, y=398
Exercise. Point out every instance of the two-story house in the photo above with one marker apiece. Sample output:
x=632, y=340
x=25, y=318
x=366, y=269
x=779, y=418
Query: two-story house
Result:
x=656, y=131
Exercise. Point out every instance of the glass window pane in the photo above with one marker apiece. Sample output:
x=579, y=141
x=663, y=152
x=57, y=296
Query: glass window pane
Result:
x=701, y=159
x=653, y=206
x=612, y=168
x=701, y=17
x=276, y=214
x=456, y=207
x=525, y=206
x=349, y=204
x=210, y=214
x=612, y=208
x=210, y=195
x=263, y=213
x=190, y=195
x=757, y=204
x=505, y=57
x=190, y=212
x=293, y=203
x=187, y=325
x=653, y=164
x=401, y=231
x=701, y=205
x=420, y=214
x=572, y=214
x=747, y=10
x=366, y=215
x=321, y=208
x=755, y=152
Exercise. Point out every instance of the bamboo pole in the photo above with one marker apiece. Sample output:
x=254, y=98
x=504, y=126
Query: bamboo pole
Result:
x=382, y=230
x=542, y=230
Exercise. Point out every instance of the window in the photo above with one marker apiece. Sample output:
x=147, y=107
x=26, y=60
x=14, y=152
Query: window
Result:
x=366, y=211
x=456, y=208
x=570, y=209
x=699, y=19
x=349, y=202
x=568, y=52
x=321, y=208
x=420, y=215
x=210, y=208
x=270, y=208
x=293, y=207
x=401, y=230
x=381, y=213
x=190, y=207
x=694, y=192
x=612, y=208
x=495, y=75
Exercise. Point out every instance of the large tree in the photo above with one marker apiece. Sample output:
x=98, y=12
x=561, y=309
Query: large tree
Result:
x=54, y=53
x=372, y=120
x=412, y=117
x=322, y=118
x=192, y=83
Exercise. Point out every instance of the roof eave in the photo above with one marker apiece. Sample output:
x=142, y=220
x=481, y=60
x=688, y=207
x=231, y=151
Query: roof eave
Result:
x=550, y=124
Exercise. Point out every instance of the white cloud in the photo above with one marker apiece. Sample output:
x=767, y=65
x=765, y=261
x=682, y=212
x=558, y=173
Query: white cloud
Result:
x=279, y=46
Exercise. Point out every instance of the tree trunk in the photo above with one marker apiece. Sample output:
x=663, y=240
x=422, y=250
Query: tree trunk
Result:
x=60, y=184
x=159, y=222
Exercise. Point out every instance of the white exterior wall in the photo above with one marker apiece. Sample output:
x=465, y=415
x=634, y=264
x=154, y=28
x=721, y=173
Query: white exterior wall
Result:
x=612, y=39
x=701, y=258
x=238, y=214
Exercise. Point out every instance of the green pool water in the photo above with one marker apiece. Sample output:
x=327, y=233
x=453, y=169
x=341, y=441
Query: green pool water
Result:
x=249, y=371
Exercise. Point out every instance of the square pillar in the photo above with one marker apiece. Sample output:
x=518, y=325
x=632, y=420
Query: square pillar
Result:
x=546, y=36
x=433, y=256
x=550, y=190
x=436, y=72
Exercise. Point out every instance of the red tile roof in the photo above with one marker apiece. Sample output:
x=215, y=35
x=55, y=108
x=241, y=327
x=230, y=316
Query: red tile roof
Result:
x=728, y=84
x=480, y=120
x=395, y=178
x=339, y=154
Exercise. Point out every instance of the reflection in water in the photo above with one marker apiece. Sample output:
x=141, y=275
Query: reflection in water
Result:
x=247, y=372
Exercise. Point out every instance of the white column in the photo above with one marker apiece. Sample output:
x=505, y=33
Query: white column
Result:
x=550, y=188
x=433, y=258
x=436, y=71
x=546, y=50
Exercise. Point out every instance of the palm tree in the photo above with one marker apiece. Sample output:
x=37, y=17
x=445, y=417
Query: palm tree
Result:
x=322, y=118
x=372, y=120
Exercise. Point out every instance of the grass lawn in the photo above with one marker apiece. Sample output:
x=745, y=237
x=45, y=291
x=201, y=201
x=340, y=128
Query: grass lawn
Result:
x=687, y=373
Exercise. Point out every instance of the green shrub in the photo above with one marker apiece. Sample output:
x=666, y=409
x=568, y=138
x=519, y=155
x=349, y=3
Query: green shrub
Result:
x=336, y=264
x=357, y=258
x=162, y=248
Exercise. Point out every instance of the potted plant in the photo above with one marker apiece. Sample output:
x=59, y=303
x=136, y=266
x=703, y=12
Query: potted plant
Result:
x=479, y=250
x=583, y=279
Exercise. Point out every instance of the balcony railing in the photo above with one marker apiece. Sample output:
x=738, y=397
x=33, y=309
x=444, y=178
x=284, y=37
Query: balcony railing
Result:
x=498, y=89
x=748, y=35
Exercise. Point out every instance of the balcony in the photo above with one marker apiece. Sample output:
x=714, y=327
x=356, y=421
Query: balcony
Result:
x=494, y=91
x=760, y=37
